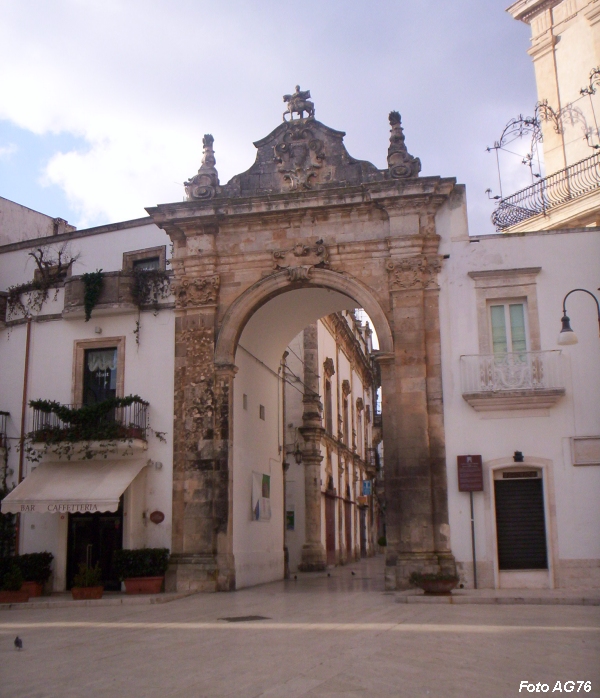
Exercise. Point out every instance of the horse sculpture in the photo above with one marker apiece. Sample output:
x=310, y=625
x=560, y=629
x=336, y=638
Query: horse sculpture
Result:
x=298, y=103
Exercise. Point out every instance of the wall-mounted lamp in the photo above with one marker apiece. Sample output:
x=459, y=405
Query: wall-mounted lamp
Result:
x=567, y=336
x=298, y=454
x=518, y=457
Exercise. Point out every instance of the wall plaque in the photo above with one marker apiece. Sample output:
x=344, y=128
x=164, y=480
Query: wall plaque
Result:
x=157, y=517
x=470, y=474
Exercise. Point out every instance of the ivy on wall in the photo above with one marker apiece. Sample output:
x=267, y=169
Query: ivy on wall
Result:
x=92, y=284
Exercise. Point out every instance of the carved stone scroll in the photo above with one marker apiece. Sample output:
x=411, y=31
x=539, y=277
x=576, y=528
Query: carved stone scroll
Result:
x=328, y=367
x=190, y=293
x=413, y=273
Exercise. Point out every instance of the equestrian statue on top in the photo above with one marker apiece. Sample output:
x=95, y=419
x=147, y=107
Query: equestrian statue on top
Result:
x=298, y=103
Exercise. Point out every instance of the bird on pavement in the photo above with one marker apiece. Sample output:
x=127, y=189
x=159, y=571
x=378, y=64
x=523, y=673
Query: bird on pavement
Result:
x=18, y=643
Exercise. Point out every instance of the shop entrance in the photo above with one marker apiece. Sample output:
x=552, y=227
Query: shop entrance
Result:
x=92, y=539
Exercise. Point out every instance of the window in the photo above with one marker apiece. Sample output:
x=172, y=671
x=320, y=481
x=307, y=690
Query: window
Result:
x=346, y=422
x=501, y=289
x=98, y=369
x=508, y=328
x=261, y=412
x=328, y=408
x=245, y=401
x=99, y=375
x=146, y=264
x=150, y=258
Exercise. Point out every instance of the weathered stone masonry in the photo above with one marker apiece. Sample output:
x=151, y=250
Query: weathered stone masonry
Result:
x=306, y=213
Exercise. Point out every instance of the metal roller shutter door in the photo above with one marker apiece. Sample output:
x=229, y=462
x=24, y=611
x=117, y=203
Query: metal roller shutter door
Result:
x=520, y=524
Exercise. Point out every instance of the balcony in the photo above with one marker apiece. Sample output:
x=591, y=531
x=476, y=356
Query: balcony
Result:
x=545, y=196
x=116, y=426
x=513, y=381
x=116, y=295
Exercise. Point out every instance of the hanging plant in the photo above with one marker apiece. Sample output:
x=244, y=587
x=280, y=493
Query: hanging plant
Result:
x=52, y=268
x=149, y=287
x=92, y=282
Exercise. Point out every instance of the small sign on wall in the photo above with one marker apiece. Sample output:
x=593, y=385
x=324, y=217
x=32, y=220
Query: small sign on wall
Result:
x=470, y=474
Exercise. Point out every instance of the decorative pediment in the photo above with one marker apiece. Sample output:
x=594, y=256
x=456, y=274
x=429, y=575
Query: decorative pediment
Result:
x=298, y=155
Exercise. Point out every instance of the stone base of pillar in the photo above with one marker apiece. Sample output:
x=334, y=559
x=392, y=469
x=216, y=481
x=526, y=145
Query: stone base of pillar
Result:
x=314, y=559
x=203, y=573
x=399, y=567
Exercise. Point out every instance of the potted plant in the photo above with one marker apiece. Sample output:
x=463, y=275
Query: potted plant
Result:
x=87, y=583
x=10, y=586
x=143, y=570
x=36, y=569
x=434, y=584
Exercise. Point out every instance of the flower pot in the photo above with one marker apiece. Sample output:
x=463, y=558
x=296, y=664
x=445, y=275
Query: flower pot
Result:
x=14, y=596
x=86, y=593
x=32, y=588
x=438, y=587
x=144, y=585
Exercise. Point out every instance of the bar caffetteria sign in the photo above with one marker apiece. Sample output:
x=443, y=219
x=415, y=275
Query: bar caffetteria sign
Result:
x=470, y=474
x=29, y=507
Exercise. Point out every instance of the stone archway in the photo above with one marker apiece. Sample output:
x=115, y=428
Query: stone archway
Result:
x=307, y=214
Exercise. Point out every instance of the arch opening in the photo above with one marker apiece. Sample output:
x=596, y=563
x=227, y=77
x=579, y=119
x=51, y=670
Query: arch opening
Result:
x=280, y=347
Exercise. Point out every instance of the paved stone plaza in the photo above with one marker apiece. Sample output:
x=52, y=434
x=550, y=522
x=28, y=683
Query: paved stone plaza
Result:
x=324, y=636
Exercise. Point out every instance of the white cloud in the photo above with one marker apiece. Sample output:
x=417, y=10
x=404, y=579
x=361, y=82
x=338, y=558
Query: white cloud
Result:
x=141, y=82
x=7, y=151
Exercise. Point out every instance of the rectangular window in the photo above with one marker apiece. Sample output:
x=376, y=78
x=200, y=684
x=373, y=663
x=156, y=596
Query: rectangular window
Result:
x=261, y=412
x=245, y=401
x=508, y=328
x=98, y=369
x=99, y=375
x=146, y=264
x=328, y=408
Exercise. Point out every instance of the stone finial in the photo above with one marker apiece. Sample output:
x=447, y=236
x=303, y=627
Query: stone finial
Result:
x=205, y=184
x=400, y=163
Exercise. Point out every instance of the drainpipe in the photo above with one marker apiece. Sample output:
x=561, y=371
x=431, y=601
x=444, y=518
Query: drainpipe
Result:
x=23, y=416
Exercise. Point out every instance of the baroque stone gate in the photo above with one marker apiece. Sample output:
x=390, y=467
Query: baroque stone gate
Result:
x=306, y=214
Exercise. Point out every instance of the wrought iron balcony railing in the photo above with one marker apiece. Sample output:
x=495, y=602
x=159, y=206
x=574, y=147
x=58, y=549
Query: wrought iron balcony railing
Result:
x=100, y=422
x=531, y=370
x=559, y=188
x=3, y=416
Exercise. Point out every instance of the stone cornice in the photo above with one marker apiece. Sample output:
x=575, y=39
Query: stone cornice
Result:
x=525, y=10
x=418, y=193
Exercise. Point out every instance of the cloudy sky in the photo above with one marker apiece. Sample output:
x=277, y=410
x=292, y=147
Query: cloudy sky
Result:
x=103, y=103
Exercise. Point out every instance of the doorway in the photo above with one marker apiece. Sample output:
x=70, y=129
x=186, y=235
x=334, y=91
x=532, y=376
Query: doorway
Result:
x=520, y=520
x=330, y=528
x=92, y=539
x=363, y=531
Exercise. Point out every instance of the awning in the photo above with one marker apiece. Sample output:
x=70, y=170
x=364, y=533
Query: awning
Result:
x=69, y=488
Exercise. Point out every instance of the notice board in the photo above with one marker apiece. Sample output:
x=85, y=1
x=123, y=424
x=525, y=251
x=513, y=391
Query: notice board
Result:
x=470, y=474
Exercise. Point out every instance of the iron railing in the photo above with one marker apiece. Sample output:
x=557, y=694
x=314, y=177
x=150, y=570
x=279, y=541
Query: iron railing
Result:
x=531, y=370
x=3, y=416
x=562, y=186
x=127, y=422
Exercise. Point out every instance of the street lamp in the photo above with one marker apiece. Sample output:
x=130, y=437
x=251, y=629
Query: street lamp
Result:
x=567, y=336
